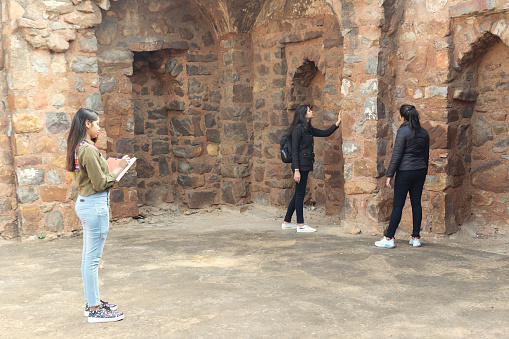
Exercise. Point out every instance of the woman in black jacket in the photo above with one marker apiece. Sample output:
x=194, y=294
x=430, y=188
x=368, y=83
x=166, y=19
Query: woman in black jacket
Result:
x=303, y=157
x=410, y=161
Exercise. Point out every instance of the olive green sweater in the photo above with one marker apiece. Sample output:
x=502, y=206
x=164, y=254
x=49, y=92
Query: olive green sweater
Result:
x=93, y=175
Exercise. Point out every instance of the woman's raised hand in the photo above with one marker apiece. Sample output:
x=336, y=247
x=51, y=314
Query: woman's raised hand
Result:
x=339, y=118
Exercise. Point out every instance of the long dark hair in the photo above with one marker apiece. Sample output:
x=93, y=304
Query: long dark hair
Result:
x=77, y=133
x=410, y=114
x=300, y=118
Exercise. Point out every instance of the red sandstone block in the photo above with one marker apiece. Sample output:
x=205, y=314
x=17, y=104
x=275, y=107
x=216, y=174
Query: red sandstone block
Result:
x=53, y=193
x=27, y=161
x=124, y=210
x=31, y=218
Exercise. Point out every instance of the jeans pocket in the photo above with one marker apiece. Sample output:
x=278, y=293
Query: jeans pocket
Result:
x=102, y=210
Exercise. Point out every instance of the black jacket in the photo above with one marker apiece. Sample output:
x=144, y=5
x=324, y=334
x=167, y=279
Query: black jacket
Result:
x=410, y=152
x=303, y=145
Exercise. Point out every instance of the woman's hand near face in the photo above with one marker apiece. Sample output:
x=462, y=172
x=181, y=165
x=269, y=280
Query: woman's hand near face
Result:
x=296, y=176
x=339, y=118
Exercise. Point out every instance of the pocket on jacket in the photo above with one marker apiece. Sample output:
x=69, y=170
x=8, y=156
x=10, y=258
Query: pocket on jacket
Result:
x=307, y=157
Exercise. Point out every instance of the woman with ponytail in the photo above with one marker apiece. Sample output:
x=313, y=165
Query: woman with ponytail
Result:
x=303, y=157
x=94, y=181
x=410, y=164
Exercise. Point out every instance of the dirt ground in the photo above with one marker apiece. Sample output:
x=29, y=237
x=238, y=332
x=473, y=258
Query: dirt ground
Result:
x=233, y=273
x=496, y=242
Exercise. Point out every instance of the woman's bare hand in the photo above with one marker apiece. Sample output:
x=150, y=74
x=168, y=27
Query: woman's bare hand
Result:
x=339, y=118
x=388, y=183
x=296, y=177
x=124, y=162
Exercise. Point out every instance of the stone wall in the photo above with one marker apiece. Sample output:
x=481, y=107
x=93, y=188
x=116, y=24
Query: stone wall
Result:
x=422, y=80
x=235, y=118
x=478, y=168
x=42, y=77
x=8, y=203
x=201, y=94
x=297, y=61
x=159, y=62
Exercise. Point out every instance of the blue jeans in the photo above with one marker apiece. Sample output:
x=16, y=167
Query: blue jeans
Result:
x=407, y=182
x=93, y=212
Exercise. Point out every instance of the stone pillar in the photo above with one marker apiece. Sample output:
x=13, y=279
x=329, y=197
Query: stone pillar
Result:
x=41, y=68
x=365, y=126
x=8, y=203
x=422, y=80
x=115, y=92
x=36, y=94
x=236, y=118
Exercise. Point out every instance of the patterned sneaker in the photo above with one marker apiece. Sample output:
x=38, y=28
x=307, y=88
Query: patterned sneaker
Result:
x=104, y=315
x=305, y=229
x=104, y=304
x=416, y=242
x=385, y=243
x=289, y=226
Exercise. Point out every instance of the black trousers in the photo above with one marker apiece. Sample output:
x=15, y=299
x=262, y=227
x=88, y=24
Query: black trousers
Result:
x=297, y=203
x=407, y=182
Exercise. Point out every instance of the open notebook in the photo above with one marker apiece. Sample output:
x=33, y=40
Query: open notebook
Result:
x=113, y=163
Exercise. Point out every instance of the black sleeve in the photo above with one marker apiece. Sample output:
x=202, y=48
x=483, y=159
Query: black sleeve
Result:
x=397, y=154
x=296, y=136
x=323, y=133
x=426, y=152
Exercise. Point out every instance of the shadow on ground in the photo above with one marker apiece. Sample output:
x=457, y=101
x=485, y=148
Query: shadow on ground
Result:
x=238, y=275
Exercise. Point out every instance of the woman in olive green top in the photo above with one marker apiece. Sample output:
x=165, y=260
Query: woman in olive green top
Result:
x=92, y=206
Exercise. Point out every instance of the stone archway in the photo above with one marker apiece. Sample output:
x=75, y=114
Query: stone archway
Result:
x=300, y=64
x=478, y=165
x=159, y=71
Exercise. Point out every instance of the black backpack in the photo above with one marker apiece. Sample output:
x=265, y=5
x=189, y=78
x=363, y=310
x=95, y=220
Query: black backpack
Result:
x=285, y=148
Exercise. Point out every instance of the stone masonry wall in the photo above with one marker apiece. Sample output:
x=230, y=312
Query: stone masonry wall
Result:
x=490, y=141
x=8, y=203
x=235, y=119
x=44, y=59
x=364, y=116
x=297, y=61
x=202, y=93
x=164, y=109
x=421, y=80
x=478, y=120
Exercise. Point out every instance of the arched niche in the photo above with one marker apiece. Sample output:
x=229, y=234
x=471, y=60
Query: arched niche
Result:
x=158, y=64
x=478, y=163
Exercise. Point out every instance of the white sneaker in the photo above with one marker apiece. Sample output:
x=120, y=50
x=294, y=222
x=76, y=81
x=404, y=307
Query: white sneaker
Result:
x=385, y=243
x=416, y=242
x=306, y=229
x=289, y=226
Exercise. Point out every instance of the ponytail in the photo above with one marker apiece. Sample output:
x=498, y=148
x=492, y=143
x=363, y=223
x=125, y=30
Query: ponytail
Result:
x=77, y=133
x=410, y=114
